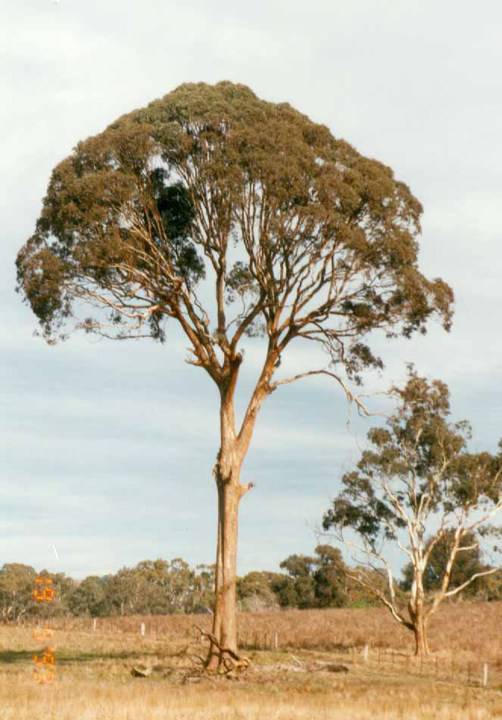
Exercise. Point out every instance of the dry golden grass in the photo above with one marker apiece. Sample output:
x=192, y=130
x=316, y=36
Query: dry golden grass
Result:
x=94, y=682
x=86, y=698
x=471, y=628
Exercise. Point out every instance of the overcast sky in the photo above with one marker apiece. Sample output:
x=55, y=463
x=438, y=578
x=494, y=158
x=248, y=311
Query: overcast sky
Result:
x=106, y=448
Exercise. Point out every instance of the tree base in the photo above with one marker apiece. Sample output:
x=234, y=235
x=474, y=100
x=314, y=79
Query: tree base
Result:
x=221, y=660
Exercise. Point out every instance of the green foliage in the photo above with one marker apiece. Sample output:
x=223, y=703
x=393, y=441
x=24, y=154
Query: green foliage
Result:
x=256, y=590
x=90, y=597
x=134, y=215
x=330, y=577
x=491, y=587
x=160, y=587
x=311, y=582
x=151, y=587
x=418, y=465
x=319, y=581
x=63, y=587
x=16, y=585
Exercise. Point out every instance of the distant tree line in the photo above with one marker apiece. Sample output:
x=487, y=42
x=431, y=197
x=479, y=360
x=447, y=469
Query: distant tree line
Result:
x=151, y=587
x=159, y=587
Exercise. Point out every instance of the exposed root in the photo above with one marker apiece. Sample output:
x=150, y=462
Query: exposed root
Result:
x=231, y=665
x=190, y=664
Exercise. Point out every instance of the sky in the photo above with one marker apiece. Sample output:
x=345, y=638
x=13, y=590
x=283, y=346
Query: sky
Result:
x=106, y=448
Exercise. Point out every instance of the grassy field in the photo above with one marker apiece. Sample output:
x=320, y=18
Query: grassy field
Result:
x=295, y=681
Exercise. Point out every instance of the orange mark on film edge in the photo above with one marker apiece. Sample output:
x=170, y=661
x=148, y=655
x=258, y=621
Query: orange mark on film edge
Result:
x=43, y=592
x=43, y=633
x=45, y=676
x=44, y=670
x=48, y=658
x=45, y=595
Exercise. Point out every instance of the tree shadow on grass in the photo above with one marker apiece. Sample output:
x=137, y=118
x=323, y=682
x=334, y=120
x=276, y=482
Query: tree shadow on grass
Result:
x=15, y=656
x=21, y=656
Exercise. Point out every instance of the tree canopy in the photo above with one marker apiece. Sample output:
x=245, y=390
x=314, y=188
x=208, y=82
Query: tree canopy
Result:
x=137, y=216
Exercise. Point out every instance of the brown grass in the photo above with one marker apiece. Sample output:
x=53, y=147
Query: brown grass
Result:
x=473, y=628
x=74, y=698
x=94, y=681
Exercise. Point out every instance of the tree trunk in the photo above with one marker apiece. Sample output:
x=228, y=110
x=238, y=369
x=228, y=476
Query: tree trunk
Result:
x=227, y=476
x=227, y=469
x=420, y=632
x=225, y=607
x=416, y=609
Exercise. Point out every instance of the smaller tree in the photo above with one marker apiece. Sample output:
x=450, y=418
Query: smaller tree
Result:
x=299, y=586
x=202, y=599
x=330, y=577
x=312, y=582
x=417, y=486
x=127, y=591
x=90, y=597
x=63, y=588
x=256, y=590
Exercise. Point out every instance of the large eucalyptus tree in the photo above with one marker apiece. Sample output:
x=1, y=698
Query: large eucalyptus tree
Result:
x=298, y=236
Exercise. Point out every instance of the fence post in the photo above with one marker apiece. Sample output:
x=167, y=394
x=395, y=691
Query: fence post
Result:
x=142, y=629
x=485, y=675
x=276, y=641
x=365, y=653
x=94, y=623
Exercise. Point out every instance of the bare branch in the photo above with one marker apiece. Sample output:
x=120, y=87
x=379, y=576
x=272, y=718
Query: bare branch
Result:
x=458, y=589
x=351, y=397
